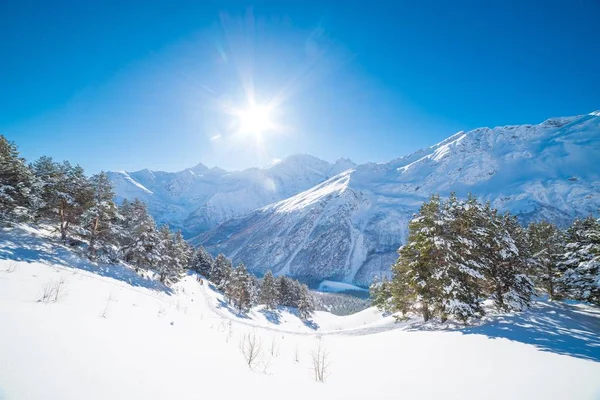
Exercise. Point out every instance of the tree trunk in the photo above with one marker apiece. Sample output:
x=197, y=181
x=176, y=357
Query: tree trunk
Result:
x=63, y=218
x=425, y=311
x=550, y=283
x=93, y=235
x=499, y=298
x=92, y=248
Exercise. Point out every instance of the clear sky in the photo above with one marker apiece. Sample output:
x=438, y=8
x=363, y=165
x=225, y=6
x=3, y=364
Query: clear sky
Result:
x=127, y=85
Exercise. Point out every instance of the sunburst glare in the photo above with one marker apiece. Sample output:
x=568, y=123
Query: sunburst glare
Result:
x=254, y=120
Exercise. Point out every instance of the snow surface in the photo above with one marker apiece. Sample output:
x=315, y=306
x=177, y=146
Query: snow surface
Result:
x=349, y=227
x=113, y=335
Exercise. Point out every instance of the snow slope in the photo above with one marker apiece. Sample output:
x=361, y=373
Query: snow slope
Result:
x=349, y=227
x=199, y=198
x=112, y=335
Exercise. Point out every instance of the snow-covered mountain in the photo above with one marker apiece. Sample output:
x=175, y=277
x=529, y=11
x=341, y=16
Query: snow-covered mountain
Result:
x=349, y=227
x=198, y=198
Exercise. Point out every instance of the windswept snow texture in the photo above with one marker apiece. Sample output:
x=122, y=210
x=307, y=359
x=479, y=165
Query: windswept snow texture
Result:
x=197, y=199
x=349, y=227
x=104, y=338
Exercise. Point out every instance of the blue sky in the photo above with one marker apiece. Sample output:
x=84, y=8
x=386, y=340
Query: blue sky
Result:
x=127, y=86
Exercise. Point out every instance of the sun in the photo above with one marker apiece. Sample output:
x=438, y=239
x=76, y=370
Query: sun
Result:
x=255, y=120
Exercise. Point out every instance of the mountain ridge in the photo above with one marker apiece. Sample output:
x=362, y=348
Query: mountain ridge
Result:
x=349, y=227
x=198, y=198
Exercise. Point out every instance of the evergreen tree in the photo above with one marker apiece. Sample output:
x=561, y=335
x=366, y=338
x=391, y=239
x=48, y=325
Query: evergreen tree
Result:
x=254, y=289
x=285, y=287
x=546, y=245
x=458, y=253
x=165, y=264
x=220, y=273
x=173, y=255
x=140, y=241
x=269, y=292
x=505, y=263
x=458, y=275
x=380, y=292
x=580, y=263
x=415, y=287
x=100, y=222
x=305, y=303
x=240, y=289
x=16, y=183
x=202, y=262
x=182, y=253
x=65, y=193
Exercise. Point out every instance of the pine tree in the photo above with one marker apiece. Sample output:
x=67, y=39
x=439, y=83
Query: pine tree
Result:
x=165, y=263
x=16, y=183
x=415, y=287
x=269, y=292
x=182, y=253
x=202, y=262
x=254, y=289
x=140, y=241
x=220, y=273
x=580, y=263
x=305, y=303
x=285, y=288
x=521, y=287
x=240, y=289
x=505, y=263
x=459, y=274
x=546, y=245
x=380, y=293
x=100, y=222
x=65, y=193
x=457, y=253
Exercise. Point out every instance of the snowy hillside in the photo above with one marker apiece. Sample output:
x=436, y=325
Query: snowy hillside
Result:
x=349, y=227
x=102, y=332
x=199, y=198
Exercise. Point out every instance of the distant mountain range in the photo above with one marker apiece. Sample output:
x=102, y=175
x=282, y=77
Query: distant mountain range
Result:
x=199, y=198
x=313, y=220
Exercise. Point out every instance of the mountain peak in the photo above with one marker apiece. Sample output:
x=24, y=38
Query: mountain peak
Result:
x=198, y=168
x=345, y=161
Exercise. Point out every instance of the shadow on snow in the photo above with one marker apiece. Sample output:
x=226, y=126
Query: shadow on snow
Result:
x=567, y=328
x=19, y=245
x=557, y=327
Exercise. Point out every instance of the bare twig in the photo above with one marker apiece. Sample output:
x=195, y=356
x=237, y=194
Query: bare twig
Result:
x=251, y=348
x=59, y=288
x=11, y=267
x=229, y=332
x=53, y=291
x=105, y=312
x=320, y=362
x=274, y=348
x=266, y=364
